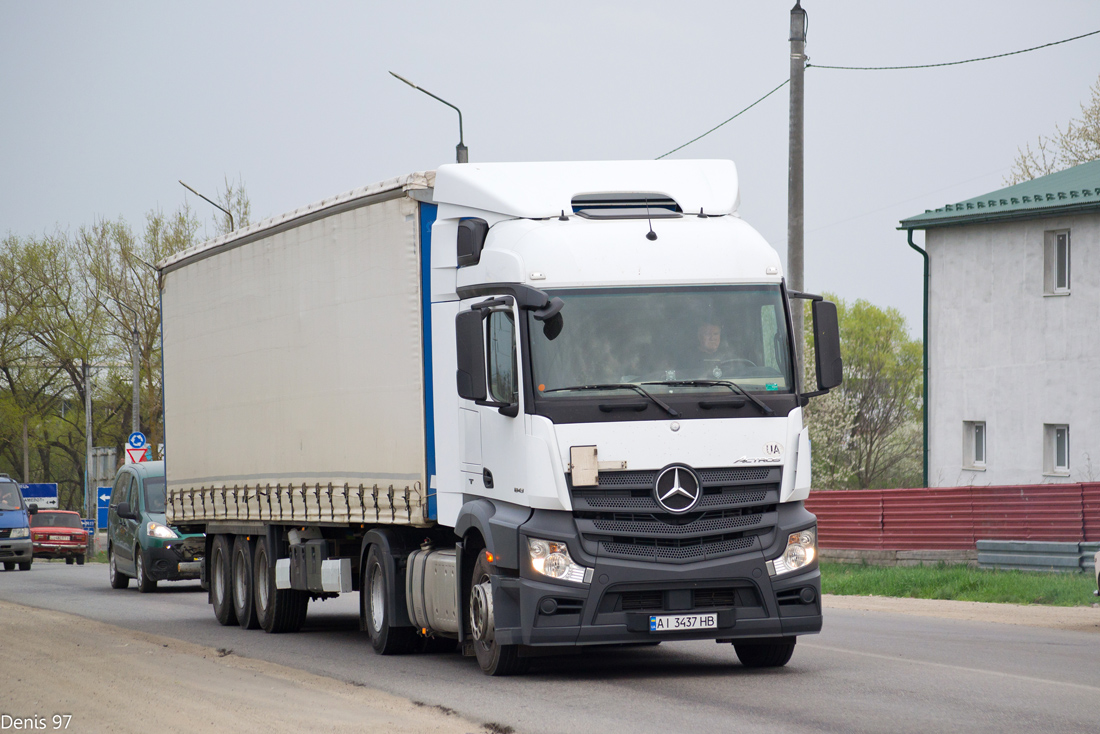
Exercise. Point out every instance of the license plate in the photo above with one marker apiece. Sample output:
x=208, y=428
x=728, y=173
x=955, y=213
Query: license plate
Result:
x=682, y=622
x=59, y=537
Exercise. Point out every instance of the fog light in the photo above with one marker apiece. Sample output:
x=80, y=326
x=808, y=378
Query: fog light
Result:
x=801, y=551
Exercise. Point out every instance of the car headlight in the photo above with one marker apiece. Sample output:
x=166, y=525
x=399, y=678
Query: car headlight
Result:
x=20, y=533
x=801, y=551
x=551, y=558
x=156, y=530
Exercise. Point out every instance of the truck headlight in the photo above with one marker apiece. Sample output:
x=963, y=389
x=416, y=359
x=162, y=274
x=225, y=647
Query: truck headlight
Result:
x=551, y=558
x=156, y=530
x=20, y=533
x=801, y=551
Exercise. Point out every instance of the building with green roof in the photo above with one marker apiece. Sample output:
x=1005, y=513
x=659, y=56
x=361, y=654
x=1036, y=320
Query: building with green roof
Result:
x=1013, y=333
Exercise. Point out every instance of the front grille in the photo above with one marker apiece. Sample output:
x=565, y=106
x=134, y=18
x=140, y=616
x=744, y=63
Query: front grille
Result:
x=658, y=601
x=620, y=517
x=5, y=532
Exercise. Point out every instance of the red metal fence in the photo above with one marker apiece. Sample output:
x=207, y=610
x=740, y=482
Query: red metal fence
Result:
x=955, y=517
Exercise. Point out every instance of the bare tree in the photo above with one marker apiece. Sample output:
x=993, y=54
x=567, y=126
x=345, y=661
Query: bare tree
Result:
x=1078, y=143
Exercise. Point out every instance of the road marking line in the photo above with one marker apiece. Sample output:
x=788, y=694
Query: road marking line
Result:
x=1026, y=678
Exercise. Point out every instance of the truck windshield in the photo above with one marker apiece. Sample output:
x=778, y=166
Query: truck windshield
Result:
x=155, y=494
x=671, y=340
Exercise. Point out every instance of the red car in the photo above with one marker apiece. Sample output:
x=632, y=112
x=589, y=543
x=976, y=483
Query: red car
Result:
x=59, y=534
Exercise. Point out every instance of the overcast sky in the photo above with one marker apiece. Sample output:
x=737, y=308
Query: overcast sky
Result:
x=107, y=104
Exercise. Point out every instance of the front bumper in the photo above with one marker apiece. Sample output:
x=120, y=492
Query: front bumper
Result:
x=172, y=562
x=616, y=607
x=16, y=551
x=59, y=549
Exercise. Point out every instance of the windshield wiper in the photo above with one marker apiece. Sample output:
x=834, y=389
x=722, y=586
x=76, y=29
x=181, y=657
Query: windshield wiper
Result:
x=717, y=383
x=623, y=386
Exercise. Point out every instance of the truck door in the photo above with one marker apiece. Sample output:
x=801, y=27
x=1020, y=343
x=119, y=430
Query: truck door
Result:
x=499, y=417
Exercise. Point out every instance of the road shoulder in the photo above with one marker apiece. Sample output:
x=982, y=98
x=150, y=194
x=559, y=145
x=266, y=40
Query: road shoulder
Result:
x=1076, y=619
x=112, y=679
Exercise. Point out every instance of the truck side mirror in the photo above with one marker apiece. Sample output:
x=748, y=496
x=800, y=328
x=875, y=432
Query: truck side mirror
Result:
x=830, y=367
x=471, y=238
x=470, y=341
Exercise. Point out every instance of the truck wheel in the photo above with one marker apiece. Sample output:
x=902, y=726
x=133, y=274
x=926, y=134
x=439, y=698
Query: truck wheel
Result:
x=119, y=580
x=373, y=603
x=141, y=577
x=277, y=610
x=770, y=653
x=80, y=560
x=220, y=592
x=243, y=592
x=494, y=658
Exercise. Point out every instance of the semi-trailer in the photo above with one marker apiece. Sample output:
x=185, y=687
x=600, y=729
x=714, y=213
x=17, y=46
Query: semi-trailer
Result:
x=517, y=407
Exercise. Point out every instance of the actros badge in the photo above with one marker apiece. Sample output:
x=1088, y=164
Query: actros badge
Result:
x=677, y=489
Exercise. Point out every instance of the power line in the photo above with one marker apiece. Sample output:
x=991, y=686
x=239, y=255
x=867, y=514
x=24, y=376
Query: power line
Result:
x=954, y=63
x=708, y=132
x=877, y=68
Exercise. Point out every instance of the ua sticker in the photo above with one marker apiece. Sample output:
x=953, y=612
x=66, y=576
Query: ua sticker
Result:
x=773, y=450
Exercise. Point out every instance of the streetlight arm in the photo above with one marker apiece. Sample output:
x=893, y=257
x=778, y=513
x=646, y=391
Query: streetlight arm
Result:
x=463, y=155
x=232, y=226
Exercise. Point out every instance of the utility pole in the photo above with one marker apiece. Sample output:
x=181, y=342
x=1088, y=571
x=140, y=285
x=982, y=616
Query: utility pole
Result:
x=135, y=420
x=795, y=220
x=89, y=493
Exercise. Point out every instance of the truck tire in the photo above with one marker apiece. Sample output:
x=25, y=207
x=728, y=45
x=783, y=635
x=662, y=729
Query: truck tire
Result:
x=221, y=592
x=277, y=610
x=373, y=604
x=141, y=577
x=495, y=659
x=119, y=580
x=244, y=593
x=769, y=653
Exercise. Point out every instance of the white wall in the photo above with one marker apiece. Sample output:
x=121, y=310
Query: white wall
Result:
x=1002, y=352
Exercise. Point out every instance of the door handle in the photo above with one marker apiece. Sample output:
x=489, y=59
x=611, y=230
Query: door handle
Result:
x=487, y=478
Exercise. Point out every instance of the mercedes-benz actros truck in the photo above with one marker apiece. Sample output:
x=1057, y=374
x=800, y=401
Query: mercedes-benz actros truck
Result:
x=517, y=407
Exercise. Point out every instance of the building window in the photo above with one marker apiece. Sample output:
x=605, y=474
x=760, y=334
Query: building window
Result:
x=1056, y=449
x=1056, y=263
x=974, y=444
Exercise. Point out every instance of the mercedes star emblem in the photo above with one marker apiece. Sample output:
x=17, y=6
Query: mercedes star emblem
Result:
x=677, y=489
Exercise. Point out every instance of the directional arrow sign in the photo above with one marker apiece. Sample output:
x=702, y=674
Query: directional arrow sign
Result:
x=104, y=499
x=136, y=440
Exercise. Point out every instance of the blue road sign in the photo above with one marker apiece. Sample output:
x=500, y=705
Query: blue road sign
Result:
x=103, y=502
x=136, y=440
x=88, y=525
x=44, y=495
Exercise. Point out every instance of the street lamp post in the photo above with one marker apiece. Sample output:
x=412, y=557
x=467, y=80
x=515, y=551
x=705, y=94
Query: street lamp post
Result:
x=462, y=153
x=135, y=421
x=795, y=219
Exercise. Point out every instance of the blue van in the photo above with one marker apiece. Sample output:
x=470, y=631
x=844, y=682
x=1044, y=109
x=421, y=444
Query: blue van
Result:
x=15, y=526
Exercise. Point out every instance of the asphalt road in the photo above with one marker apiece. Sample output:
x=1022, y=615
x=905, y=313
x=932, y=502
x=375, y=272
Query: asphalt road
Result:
x=866, y=672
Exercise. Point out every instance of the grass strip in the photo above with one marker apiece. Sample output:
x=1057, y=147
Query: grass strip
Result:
x=960, y=583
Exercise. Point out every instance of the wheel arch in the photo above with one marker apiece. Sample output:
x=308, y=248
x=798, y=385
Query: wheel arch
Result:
x=497, y=524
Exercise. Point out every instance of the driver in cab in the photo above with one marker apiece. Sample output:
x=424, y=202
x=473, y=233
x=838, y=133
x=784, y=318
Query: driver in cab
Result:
x=710, y=358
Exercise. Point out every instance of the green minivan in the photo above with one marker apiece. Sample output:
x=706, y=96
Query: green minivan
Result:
x=140, y=545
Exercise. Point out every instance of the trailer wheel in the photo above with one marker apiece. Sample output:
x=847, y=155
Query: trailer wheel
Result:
x=243, y=592
x=277, y=610
x=494, y=658
x=373, y=603
x=769, y=653
x=119, y=580
x=141, y=577
x=220, y=592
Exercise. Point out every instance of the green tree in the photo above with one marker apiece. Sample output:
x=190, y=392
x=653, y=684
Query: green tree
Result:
x=1078, y=143
x=866, y=433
